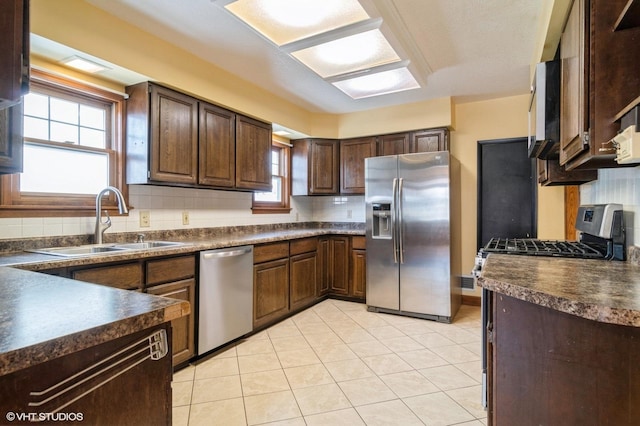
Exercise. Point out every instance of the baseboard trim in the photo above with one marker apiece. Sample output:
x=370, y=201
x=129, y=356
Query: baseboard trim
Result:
x=471, y=300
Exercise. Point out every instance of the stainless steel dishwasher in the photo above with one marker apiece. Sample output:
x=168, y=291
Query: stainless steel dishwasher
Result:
x=226, y=296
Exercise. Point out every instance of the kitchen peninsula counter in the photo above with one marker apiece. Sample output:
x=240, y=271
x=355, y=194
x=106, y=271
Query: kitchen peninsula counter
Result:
x=43, y=317
x=599, y=290
x=562, y=341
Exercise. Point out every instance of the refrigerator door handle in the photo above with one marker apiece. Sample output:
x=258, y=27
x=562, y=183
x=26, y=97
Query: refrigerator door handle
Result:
x=400, y=224
x=394, y=216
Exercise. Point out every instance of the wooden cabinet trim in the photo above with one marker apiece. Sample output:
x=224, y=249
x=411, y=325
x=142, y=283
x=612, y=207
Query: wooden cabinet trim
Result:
x=171, y=269
x=127, y=276
x=270, y=251
x=303, y=245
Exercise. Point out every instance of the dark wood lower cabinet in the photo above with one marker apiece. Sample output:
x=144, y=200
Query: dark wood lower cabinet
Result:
x=183, y=329
x=339, y=265
x=358, y=272
x=552, y=368
x=270, y=291
x=95, y=386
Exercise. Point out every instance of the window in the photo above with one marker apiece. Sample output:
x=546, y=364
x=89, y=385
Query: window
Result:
x=72, y=149
x=277, y=200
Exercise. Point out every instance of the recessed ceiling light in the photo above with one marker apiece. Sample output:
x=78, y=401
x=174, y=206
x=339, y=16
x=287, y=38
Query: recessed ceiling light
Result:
x=348, y=54
x=83, y=64
x=381, y=83
x=285, y=21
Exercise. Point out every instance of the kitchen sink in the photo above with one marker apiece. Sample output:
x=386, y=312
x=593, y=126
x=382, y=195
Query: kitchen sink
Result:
x=96, y=249
x=148, y=245
x=79, y=250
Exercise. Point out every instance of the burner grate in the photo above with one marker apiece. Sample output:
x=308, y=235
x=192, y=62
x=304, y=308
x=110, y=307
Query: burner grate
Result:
x=535, y=247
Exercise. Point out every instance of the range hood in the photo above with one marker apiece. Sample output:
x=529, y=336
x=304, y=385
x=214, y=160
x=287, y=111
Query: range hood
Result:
x=544, y=111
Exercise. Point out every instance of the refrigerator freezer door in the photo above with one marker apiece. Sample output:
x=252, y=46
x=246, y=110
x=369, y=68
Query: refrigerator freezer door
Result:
x=425, y=274
x=382, y=270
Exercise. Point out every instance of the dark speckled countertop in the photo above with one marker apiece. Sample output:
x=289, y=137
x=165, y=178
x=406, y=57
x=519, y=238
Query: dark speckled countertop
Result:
x=600, y=290
x=195, y=240
x=43, y=317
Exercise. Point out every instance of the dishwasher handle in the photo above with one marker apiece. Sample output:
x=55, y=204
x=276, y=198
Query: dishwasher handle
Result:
x=226, y=253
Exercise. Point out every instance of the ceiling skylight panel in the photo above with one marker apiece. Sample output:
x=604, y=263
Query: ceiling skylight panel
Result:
x=286, y=21
x=348, y=54
x=396, y=80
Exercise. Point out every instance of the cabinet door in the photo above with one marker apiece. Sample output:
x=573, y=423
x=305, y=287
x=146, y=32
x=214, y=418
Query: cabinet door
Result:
x=11, y=139
x=429, y=140
x=173, y=136
x=339, y=265
x=14, y=51
x=393, y=144
x=352, y=155
x=358, y=273
x=217, y=147
x=270, y=291
x=127, y=276
x=324, y=170
x=323, y=266
x=573, y=85
x=183, y=329
x=303, y=279
x=253, y=154
x=131, y=389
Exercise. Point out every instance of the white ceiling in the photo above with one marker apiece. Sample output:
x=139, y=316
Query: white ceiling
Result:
x=469, y=49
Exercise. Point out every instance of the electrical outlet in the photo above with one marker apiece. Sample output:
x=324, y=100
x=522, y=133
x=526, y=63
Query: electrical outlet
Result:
x=185, y=218
x=145, y=219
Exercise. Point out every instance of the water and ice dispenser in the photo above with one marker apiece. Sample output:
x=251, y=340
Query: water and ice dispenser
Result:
x=381, y=220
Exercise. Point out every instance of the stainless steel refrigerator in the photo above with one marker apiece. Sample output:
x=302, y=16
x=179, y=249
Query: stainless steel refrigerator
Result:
x=412, y=209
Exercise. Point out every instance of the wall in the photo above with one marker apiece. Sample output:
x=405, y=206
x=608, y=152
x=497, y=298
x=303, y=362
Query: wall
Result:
x=618, y=186
x=496, y=119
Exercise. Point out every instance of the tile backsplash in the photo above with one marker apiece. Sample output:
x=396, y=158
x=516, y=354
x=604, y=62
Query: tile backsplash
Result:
x=621, y=185
x=206, y=208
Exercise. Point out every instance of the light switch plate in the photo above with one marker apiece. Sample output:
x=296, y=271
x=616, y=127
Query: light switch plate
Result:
x=185, y=218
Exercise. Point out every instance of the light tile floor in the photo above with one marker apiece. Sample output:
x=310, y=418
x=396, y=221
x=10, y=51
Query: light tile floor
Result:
x=337, y=364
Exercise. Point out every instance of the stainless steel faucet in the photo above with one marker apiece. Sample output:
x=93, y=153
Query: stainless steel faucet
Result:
x=103, y=226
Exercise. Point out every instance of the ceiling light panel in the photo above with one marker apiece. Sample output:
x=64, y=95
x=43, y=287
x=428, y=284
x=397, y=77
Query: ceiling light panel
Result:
x=286, y=21
x=83, y=64
x=381, y=83
x=348, y=54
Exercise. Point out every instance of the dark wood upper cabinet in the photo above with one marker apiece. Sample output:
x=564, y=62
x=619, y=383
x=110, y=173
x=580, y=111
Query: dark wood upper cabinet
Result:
x=11, y=144
x=173, y=136
x=600, y=80
x=315, y=167
x=217, y=157
x=176, y=139
x=14, y=51
x=352, y=155
x=253, y=154
x=551, y=173
x=429, y=140
x=393, y=144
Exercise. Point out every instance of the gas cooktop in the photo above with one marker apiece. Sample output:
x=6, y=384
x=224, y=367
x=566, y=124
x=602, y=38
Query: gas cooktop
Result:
x=535, y=247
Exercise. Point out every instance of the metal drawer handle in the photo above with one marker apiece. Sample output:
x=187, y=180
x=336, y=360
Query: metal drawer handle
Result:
x=229, y=253
x=156, y=348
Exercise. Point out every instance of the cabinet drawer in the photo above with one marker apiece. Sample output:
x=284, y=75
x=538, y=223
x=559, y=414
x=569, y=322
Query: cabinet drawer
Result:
x=304, y=245
x=173, y=269
x=358, y=242
x=266, y=252
x=127, y=276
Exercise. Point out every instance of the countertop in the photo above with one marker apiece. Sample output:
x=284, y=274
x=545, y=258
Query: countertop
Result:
x=43, y=317
x=599, y=290
x=194, y=240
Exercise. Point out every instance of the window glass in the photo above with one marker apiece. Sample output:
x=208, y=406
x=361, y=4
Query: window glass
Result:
x=55, y=170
